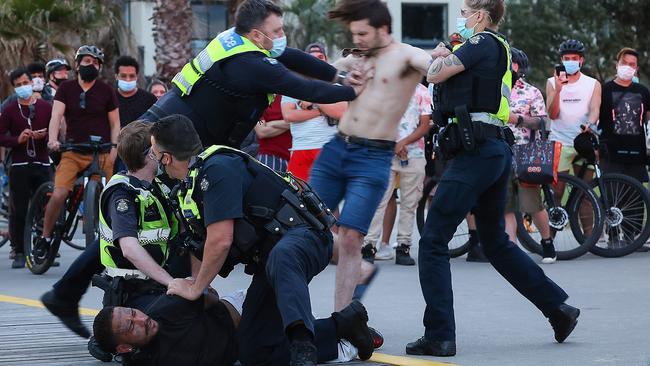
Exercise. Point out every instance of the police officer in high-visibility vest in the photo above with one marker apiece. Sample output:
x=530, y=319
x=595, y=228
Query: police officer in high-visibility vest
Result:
x=241, y=211
x=225, y=89
x=476, y=80
x=135, y=226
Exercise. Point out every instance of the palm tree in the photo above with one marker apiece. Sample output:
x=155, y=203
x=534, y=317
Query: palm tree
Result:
x=172, y=29
x=306, y=22
x=38, y=30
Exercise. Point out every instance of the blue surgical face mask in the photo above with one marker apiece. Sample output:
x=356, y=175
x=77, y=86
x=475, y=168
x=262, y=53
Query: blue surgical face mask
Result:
x=572, y=67
x=635, y=79
x=127, y=86
x=279, y=45
x=461, y=27
x=24, y=92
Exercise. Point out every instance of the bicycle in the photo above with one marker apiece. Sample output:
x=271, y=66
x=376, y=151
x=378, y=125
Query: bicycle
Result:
x=86, y=191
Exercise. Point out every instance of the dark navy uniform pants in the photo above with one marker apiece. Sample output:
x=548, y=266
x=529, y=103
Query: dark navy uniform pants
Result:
x=476, y=181
x=279, y=297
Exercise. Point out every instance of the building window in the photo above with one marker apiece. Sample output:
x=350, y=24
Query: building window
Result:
x=210, y=19
x=424, y=25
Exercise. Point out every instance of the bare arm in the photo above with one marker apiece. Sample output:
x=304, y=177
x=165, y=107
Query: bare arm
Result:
x=419, y=60
x=58, y=109
x=552, y=101
x=442, y=69
x=217, y=244
x=421, y=131
x=114, y=122
x=335, y=110
x=292, y=114
x=137, y=255
x=271, y=129
x=594, y=105
x=195, y=263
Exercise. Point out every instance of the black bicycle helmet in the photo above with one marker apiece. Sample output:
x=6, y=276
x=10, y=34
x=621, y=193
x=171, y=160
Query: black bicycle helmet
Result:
x=572, y=46
x=585, y=145
x=55, y=64
x=89, y=50
x=520, y=58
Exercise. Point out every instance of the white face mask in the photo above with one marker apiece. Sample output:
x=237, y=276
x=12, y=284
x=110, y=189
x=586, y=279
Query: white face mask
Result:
x=38, y=84
x=625, y=72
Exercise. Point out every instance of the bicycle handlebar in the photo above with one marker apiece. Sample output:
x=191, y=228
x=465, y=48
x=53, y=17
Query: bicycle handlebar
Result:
x=87, y=146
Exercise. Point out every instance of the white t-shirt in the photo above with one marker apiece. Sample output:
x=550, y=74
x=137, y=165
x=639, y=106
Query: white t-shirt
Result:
x=310, y=134
x=574, y=109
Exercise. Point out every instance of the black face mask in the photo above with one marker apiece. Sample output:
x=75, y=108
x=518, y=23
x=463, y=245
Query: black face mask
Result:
x=59, y=81
x=88, y=73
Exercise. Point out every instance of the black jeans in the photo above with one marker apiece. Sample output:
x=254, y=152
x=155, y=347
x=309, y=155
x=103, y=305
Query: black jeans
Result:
x=24, y=180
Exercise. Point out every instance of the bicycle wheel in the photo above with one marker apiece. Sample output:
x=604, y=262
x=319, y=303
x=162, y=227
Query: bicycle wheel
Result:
x=92, y=192
x=576, y=222
x=4, y=215
x=39, y=259
x=626, y=217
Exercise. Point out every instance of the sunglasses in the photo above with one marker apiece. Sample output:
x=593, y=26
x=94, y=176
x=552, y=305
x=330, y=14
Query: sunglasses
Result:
x=82, y=100
x=355, y=52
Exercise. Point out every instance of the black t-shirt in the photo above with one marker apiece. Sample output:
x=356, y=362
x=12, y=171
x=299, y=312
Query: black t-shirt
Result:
x=134, y=106
x=221, y=185
x=622, y=120
x=189, y=334
x=252, y=75
x=478, y=54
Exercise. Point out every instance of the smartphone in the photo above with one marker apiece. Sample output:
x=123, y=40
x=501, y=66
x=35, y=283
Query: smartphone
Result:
x=560, y=71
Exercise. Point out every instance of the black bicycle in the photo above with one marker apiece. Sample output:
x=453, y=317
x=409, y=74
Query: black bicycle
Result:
x=86, y=190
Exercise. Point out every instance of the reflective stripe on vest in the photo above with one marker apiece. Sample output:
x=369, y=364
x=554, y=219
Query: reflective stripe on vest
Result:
x=225, y=45
x=156, y=232
x=506, y=85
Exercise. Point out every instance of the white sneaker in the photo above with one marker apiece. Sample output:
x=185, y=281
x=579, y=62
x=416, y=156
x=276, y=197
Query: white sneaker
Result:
x=385, y=253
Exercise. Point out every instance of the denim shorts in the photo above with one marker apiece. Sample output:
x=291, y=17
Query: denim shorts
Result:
x=355, y=174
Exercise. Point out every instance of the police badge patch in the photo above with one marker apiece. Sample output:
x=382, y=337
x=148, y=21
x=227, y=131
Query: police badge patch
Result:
x=271, y=60
x=204, y=184
x=476, y=39
x=122, y=205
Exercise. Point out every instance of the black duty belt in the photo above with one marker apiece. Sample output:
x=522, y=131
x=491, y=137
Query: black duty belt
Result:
x=378, y=144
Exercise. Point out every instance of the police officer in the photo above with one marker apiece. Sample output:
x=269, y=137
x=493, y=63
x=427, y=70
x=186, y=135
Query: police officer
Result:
x=225, y=89
x=135, y=225
x=476, y=178
x=246, y=213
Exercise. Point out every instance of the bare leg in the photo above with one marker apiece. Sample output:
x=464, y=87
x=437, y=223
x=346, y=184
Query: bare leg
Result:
x=511, y=226
x=540, y=219
x=53, y=209
x=389, y=219
x=349, y=266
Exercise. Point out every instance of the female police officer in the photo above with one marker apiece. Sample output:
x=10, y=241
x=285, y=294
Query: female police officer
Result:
x=476, y=81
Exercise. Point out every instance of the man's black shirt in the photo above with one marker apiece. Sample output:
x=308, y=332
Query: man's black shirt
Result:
x=189, y=334
x=134, y=106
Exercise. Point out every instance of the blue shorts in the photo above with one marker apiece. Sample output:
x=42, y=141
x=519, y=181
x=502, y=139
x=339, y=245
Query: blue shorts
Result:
x=354, y=173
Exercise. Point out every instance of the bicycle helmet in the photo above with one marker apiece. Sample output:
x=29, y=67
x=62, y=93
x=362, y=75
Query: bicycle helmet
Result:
x=89, y=50
x=520, y=58
x=572, y=46
x=585, y=145
x=55, y=64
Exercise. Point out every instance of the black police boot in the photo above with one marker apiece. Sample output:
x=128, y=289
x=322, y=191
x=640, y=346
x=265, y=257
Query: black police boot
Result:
x=97, y=352
x=402, y=256
x=352, y=324
x=68, y=313
x=19, y=261
x=563, y=321
x=548, y=251
x=424, y=347
x=368, y=252
x=303, y=353
x=476, y=254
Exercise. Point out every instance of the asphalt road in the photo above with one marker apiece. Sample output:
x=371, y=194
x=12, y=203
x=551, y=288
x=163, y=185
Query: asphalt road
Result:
x=495, y=325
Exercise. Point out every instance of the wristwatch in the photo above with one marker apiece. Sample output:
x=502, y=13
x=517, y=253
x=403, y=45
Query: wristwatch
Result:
x=340, y=77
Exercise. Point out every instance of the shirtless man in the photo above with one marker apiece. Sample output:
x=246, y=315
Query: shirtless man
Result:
x=355, y=165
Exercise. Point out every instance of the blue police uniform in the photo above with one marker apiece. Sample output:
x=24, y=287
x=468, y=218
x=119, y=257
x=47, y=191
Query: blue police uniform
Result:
x=476, y=180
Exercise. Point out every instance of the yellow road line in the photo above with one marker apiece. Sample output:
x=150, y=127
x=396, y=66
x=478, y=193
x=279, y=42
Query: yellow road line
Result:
x=405, y=361
x=38, y=304
x=377, y=357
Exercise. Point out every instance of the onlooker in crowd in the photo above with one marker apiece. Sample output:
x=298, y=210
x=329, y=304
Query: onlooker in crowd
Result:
x=526, y=101
x=23, y=127
x=408, y=163
x=36, y=72
x=133, y=101
x=56, y=72
x=274, y=138
x=90, y=108
x=573, y=100
x=157, y=88
x=624, y=116
x=312, y=125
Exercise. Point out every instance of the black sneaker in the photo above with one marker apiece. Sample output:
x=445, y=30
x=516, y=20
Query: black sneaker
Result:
x=424, y=347
x=548, y=252
x=352, y=324
x=68, y=313
x=402, y=256
x=303, y=354
x=368, y=252
x=97, y=352
x=563, y=321
x=41, y=249
x=19, y=261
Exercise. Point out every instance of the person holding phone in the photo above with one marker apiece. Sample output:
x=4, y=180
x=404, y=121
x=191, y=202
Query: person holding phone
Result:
x=23, y=128
x=573, y=100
